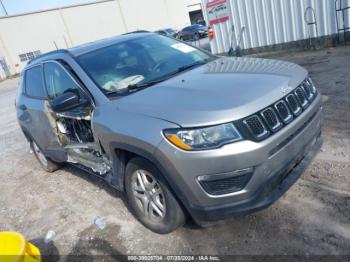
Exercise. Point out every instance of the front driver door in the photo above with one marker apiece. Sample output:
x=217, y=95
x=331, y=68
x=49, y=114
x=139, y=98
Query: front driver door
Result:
x=58, y=81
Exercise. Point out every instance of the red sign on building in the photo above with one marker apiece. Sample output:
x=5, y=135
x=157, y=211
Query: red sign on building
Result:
x=218, y=11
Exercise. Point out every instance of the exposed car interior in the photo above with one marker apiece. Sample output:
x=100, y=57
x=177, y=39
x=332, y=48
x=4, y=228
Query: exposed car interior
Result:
x=115, y=67
x=72, y=125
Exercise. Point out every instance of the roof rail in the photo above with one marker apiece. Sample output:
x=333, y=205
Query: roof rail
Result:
x=49, y=53
x=137, y=32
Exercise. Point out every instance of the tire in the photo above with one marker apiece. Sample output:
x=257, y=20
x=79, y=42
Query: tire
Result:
x=47, y=164
x=196, y=37
x=150, y=199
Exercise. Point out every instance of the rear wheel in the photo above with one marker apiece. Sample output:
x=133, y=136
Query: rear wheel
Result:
x=150, y=198
x=46, y=163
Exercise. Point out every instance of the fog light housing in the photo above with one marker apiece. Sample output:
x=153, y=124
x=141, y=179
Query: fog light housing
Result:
x=228, y=183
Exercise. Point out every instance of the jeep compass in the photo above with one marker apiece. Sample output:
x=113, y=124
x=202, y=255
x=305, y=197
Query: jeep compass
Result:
x=184, y=134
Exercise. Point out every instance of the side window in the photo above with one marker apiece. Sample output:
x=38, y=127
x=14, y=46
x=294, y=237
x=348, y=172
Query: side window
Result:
x=58, y=81
x=33, y=83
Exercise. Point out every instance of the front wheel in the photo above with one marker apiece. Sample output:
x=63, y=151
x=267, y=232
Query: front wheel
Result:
x=150, y=198
x=196, y=37
x=46, y=163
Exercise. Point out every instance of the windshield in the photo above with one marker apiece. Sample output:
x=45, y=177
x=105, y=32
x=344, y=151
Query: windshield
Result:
x=138, y=61
x=189, y=28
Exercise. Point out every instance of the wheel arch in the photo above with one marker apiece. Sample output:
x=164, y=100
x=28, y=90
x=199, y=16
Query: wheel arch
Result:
x=26, y=134
x=122, y=153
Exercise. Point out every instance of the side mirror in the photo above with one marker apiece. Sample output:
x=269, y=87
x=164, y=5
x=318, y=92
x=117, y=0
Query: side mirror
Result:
x=67, y=101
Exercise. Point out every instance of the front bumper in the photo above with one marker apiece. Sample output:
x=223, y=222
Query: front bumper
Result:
x=271, y=159
x=268, y=193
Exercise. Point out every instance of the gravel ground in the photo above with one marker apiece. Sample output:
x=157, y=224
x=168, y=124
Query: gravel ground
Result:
x=313, y=218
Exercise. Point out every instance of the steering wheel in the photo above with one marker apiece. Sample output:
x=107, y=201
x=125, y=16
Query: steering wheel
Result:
x=158, y=66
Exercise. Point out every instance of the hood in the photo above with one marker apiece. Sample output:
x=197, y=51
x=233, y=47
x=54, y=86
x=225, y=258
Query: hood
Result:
x=223, y=90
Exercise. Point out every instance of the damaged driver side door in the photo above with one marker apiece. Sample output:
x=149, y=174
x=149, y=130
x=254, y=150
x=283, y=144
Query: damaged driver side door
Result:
x=71, y=109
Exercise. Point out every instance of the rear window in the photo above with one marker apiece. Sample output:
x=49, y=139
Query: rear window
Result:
x=33, y=83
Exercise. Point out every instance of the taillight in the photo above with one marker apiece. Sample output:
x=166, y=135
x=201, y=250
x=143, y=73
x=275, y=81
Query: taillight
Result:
x=211, y=32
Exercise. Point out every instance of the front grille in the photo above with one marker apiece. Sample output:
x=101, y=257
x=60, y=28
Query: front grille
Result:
x=273, y=118
x=226, y=185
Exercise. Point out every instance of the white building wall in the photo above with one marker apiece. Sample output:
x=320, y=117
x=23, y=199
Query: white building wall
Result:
x=177, y=17
x=71, y=26
x=270, y=22
x=91, y=22
x=193, y=2
x=193, y=5
x=153, y=14
x=22, y=34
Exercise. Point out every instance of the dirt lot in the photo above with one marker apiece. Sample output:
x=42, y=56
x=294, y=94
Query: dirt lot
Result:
x=312, y=218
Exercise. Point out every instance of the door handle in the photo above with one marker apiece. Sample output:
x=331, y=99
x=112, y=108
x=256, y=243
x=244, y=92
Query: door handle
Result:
x=23, y=107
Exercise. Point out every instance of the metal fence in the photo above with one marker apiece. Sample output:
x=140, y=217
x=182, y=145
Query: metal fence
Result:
x=271, y=22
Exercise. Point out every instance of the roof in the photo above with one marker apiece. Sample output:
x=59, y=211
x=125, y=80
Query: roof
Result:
x=89, y=47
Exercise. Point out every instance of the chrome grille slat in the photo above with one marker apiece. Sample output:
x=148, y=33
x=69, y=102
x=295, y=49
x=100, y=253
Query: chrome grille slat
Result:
x=284, y=112
x=294, y=104
x=256, y=127
x=271, y=119
x=311, y=84
x=301, y=96
x=307, y=87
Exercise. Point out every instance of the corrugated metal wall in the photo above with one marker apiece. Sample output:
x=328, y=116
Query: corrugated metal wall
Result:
x=270, y=22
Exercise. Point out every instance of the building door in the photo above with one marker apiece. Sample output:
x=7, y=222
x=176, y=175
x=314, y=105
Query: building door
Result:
x=196, y=17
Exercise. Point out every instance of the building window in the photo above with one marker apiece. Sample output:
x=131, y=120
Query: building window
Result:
x=29, y=56
x=23, y=57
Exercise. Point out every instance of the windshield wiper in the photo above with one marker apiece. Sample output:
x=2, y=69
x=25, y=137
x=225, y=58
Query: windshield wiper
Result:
x=186, y=67
x=133, y=87
x=166, y=77
x=144, y=85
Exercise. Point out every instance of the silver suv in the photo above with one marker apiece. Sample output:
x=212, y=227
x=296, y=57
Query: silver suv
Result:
x=183, y=133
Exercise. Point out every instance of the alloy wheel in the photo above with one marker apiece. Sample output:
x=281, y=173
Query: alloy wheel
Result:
x=149, y=195
x=39, y=154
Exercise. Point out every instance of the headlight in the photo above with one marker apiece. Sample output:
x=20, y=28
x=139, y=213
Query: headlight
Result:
x=203, y=138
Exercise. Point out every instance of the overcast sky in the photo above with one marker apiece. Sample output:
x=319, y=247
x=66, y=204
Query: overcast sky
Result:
x=23, y=6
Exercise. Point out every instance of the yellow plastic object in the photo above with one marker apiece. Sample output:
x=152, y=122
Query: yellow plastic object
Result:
x=14, y=248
